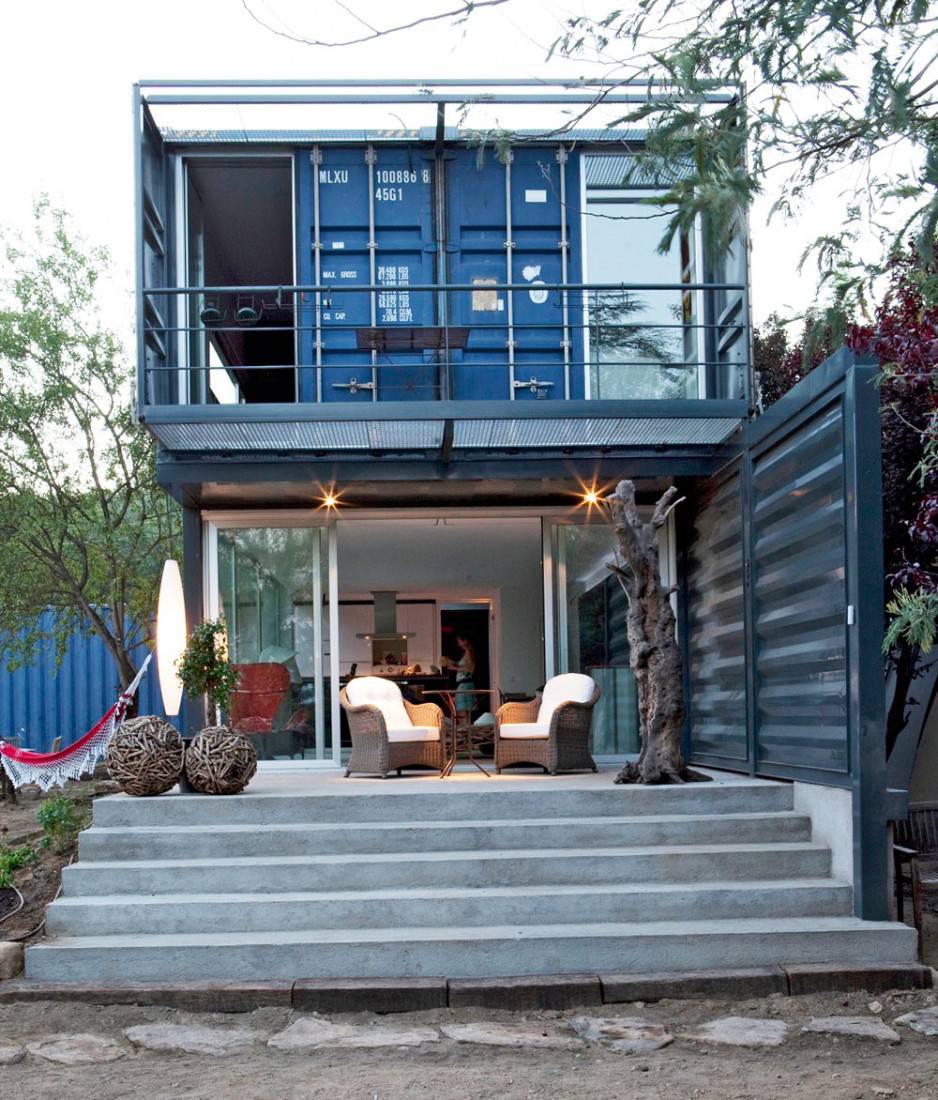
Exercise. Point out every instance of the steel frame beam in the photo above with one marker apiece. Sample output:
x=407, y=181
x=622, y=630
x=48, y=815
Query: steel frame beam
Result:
x=334, y=412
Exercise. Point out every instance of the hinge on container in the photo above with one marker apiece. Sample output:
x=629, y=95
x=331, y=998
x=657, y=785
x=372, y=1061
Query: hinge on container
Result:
x=353, y=386
x=315, y=156
x=539, y=389
x=563, y=244
x=562, y=154
x=510, y=244
x=371, y=157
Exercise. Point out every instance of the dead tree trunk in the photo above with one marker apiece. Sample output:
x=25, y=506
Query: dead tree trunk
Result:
x=653, y=650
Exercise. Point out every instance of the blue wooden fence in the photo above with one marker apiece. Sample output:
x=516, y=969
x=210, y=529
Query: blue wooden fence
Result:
x=40, y=702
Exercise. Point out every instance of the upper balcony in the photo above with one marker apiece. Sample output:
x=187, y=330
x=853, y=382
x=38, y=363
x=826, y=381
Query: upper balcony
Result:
x=292, y=278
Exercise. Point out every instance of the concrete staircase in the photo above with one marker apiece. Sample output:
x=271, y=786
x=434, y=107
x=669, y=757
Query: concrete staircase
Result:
x=388, y=880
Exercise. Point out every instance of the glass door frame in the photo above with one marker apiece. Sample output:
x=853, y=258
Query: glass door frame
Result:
x=556, y=641
x=212, y=522
x=551, y=571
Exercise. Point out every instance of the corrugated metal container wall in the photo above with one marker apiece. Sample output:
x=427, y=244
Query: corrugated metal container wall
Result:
x=370, y=214
x=39, y=703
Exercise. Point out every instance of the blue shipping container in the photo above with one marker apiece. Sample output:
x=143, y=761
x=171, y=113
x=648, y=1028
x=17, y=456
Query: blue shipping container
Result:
x=40, y=702
x=377, y=215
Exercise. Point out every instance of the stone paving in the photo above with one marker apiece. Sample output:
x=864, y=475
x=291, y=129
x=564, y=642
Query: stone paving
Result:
x=621, y=1034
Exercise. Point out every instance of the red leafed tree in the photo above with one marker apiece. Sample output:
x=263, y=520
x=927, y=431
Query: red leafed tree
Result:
x=904, y=340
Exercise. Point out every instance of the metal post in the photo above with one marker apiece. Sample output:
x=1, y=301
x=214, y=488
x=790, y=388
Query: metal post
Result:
x=749, y=609
x=564, y=245
x=318, y=695
x=142, y=397
x=370, y=158
x=316, y=159
x=547, y=563
x=509, y=253
x=866, y=715
x=194, y=715
x=336, y=710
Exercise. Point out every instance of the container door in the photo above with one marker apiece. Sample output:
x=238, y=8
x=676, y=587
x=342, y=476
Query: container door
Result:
x=402, y=190
x=478, y=256
x=539, y=237
x=345, y=263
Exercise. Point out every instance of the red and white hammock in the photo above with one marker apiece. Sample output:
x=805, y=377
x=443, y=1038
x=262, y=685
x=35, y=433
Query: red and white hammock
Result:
x=50, y=769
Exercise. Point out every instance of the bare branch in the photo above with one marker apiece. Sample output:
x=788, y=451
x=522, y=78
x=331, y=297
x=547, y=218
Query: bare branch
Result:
x=465, y=9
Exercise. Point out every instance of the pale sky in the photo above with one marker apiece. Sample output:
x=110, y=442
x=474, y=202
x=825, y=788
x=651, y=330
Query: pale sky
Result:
x=67, y=66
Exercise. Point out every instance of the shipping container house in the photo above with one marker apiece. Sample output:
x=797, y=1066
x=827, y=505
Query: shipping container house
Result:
x=386, y=367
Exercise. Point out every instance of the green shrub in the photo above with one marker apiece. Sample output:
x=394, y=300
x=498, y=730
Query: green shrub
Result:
x=11, y=859
x=61, y=820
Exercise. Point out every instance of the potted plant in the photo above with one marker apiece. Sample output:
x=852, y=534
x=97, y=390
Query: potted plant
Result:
x=204, y=668
x=217, y=761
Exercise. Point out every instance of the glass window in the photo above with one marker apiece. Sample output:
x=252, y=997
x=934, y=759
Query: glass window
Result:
x=643, y=343
x=593, y=639
x=271, y=586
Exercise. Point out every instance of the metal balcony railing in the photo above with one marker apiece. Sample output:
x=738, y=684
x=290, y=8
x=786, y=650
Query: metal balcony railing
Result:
x=394, y=341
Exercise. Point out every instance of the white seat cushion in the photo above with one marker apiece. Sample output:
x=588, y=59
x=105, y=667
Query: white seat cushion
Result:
x=414, y=733
x=571, y=687
x=377, y=692
x=531, y=731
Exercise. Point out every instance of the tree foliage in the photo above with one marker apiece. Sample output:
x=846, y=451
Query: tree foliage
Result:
x=823, y=87
x=904, y=339
x=84, y=528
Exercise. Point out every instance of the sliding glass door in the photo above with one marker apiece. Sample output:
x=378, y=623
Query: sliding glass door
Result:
x=271, y=585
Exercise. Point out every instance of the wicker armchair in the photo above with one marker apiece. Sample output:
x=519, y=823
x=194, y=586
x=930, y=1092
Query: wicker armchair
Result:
x=553, y=731
x=388, y=732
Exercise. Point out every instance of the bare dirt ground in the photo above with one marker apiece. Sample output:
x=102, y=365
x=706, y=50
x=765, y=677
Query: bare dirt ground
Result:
x=805, y=1067
x=38, y=882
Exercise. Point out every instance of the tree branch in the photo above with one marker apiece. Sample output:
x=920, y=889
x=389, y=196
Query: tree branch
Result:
x=465, y=9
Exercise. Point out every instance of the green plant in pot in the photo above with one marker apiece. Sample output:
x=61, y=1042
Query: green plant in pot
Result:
x=217, y=760
x=204, y=667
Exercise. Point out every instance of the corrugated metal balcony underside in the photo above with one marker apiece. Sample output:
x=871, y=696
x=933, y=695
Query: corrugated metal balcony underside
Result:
x=337, y=437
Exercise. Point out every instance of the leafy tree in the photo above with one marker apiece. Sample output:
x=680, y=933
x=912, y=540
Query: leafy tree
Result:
x=822, y=87
x=84, y=528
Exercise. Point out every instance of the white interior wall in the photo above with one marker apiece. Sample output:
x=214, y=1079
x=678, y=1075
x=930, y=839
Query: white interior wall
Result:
x=453, y=559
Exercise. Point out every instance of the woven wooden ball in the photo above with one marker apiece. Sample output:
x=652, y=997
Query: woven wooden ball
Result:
x=220, y=761
x=145, y=756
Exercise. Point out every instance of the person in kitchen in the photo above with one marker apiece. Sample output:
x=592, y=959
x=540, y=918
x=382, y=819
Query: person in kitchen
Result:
x=465, y=668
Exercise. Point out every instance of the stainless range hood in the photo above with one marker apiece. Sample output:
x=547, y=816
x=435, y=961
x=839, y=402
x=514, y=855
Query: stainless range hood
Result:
x=385, y=628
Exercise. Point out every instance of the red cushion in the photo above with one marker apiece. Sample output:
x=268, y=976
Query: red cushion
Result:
x=254, y=724
x=260, y=691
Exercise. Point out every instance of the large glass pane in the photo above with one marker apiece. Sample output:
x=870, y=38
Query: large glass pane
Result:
x=643, y=343
x=271, y=592
x=591, y=619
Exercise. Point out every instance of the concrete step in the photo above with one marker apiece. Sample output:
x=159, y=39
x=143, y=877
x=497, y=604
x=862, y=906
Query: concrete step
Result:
x=634, y=902
x=520, y=867
x=398, y=801
x=228, y=841
x=486, y=951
